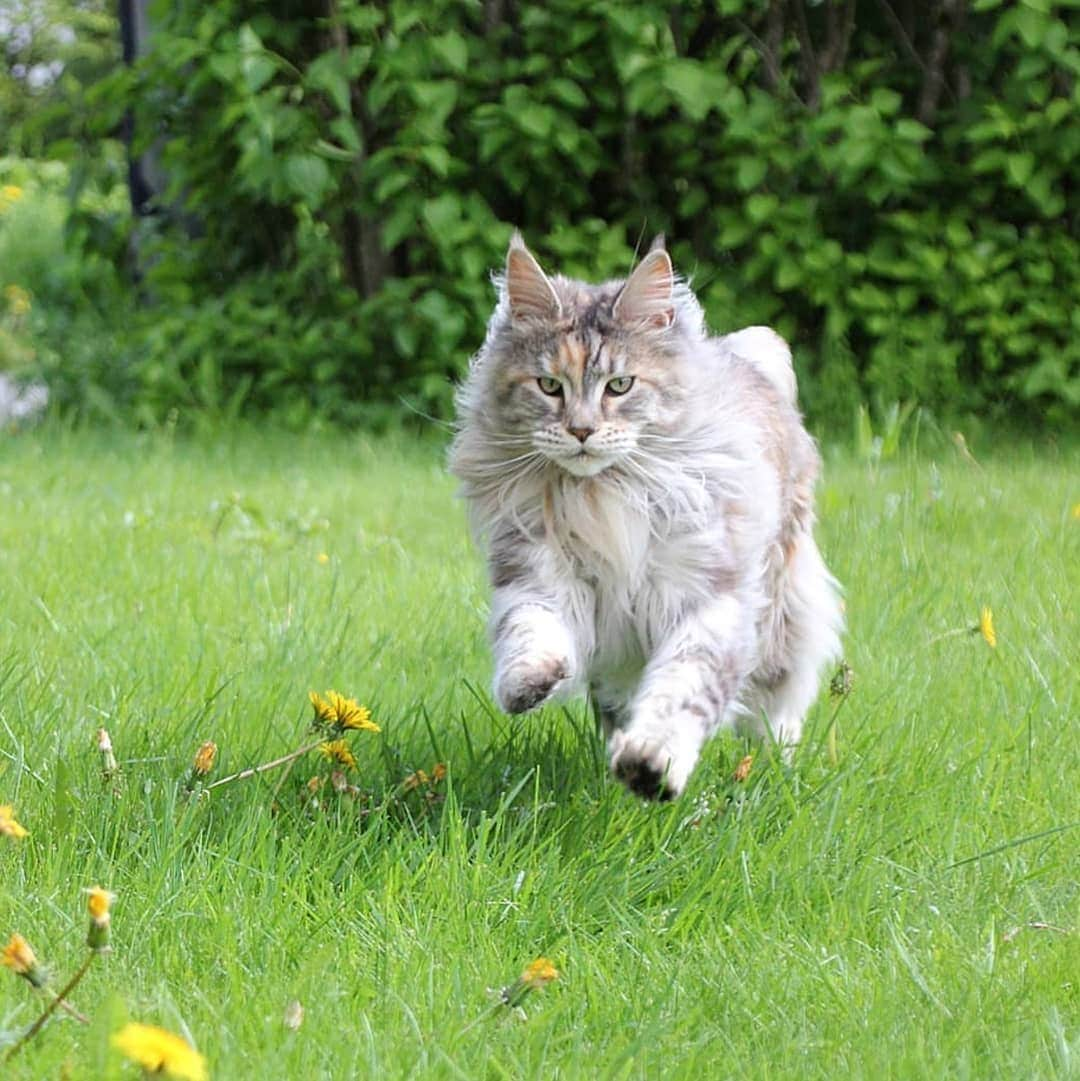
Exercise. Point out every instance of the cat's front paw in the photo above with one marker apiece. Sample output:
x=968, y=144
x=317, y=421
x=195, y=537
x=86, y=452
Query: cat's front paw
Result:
x=649, y=764
x=526, y=684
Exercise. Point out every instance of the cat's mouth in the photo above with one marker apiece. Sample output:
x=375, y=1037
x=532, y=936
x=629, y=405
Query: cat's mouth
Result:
x=583, y=463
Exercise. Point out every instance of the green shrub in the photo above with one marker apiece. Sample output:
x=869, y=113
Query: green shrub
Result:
x=891, y=195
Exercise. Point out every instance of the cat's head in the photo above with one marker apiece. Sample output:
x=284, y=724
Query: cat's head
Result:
x=585, y=374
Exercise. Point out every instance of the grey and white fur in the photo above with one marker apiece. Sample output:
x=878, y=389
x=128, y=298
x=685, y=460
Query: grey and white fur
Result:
x=645, y=496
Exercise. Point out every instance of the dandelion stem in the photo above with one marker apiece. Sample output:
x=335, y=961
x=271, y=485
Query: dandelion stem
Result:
x=831, y=742
x=284, y=760
x=59, y=1000
x=68, y=1008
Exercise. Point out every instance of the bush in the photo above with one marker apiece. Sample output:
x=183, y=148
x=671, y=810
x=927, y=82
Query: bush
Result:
x=892, y=195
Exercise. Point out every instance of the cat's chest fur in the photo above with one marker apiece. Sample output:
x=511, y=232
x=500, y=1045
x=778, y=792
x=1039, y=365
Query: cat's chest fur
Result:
x=634, y=566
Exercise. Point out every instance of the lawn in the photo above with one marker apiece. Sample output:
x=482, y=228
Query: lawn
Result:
x=901, y=902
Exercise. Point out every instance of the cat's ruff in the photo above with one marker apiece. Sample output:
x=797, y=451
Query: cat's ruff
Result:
x=645, y=496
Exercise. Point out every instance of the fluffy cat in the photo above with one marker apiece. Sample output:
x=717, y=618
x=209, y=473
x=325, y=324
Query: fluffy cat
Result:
x=645, y=496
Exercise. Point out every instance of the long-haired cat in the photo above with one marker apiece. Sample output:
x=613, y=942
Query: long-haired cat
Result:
x=645, y=495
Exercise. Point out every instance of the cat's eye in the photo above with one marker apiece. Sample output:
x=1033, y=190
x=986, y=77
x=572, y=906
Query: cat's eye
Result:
x=550, y=385
x=620, y=384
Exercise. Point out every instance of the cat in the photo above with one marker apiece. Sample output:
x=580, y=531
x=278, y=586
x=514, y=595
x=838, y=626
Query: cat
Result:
x=645, y=496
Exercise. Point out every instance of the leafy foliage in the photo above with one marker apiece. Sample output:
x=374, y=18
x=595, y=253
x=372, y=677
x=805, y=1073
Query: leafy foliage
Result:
x=890, y=191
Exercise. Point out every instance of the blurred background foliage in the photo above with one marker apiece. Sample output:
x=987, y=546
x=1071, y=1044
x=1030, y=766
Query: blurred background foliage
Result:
x=890, y=183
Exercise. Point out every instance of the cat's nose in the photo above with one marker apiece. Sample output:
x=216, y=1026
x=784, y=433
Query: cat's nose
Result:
x=581, y=434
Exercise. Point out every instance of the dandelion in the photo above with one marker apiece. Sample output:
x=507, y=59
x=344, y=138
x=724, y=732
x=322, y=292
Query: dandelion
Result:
x=98, y=903
x=18, y=956
x=742, y=770
x=337, y=750
x=204, y=758
x=415, y=780
x=1075, y=512
x=8, y=826
x=105, y=748
x=986, y=627
x=160, y=1052
x=9, y=195
x=18, y=299
x=340, y=712
x=842, y=682
x=322, y=559
x=534, y=977
x=539, y=973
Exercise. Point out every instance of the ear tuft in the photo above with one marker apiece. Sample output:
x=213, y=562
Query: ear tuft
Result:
x=646, y=298
x=528, y=289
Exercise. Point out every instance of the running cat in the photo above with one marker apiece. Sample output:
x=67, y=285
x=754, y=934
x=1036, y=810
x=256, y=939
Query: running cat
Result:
x=645, y=496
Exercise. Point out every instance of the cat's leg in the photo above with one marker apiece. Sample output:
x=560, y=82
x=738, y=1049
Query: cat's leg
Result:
x=535, y=652
x=687, y=692
x=809, y=638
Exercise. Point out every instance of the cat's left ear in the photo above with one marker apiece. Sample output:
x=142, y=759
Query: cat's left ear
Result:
x=646, y=298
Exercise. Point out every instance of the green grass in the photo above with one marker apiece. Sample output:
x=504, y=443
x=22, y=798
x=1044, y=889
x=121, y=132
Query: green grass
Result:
x=871, y=917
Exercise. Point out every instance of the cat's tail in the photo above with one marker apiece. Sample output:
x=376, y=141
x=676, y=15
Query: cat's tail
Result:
x=769, y=353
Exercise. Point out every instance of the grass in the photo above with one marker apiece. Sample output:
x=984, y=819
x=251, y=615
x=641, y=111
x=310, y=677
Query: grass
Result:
x=907, y=911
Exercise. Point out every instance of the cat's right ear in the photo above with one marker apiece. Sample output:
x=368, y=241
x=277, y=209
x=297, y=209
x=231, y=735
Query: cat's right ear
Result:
x=529, y=292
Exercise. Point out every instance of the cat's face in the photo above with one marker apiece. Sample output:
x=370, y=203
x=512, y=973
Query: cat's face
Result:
x=585, y=399
x=583, y=372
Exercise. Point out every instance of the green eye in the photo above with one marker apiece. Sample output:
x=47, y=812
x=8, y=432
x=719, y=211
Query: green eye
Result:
x=620, y=384
x=550, y=385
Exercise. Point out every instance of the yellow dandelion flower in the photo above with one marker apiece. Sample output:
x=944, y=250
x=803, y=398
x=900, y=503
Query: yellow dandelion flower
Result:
x=18, y=299
x=322, y=559
x=337, y=750
x=1076, y=512
x=9, y=194
x=98, y=903
x=986, y=627
x=324, y=712
x=18, y=956
x=204, y=758
x=341, y=712
x=539, y=973
x=8, y=826
x=160, y=1052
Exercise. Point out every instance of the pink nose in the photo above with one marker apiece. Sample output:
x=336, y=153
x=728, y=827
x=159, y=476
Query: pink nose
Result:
x=581, y=434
